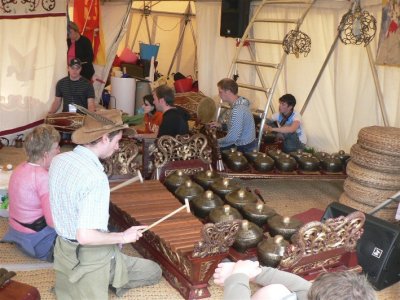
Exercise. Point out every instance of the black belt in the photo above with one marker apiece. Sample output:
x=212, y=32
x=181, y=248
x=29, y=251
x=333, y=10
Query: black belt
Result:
x=74, y=241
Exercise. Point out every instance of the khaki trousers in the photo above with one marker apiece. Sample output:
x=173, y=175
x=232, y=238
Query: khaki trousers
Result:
x=99, y=268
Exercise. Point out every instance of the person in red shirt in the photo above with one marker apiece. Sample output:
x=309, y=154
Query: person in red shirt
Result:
x=152, y=118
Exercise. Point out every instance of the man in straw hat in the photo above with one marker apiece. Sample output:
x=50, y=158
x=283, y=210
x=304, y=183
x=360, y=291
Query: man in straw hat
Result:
x=87, y=258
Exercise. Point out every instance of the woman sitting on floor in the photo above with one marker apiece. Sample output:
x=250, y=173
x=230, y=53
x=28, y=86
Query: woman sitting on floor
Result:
x=30, y=221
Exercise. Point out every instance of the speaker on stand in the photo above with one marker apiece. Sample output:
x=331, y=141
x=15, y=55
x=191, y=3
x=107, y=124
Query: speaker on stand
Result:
x=234, y=17
x=378, y=249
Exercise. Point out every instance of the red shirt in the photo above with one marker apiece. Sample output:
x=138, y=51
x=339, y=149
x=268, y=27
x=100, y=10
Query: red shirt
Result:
x=152, y=122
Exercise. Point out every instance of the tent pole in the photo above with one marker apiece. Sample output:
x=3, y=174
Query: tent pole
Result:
x=137, y=31
x=178, y=46
x=324, y=64
x=377, y=86
x=334, y=44
x=113, y=49
x=128, y=34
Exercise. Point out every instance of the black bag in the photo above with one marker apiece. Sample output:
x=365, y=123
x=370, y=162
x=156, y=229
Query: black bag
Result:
x=178, y=76
x=36, y=225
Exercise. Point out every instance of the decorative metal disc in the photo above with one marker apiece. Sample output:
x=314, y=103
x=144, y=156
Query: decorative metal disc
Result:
x=296, y=42
x=357, y=27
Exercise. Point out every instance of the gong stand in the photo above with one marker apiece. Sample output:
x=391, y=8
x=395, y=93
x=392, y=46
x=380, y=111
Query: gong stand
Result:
x=320, y=247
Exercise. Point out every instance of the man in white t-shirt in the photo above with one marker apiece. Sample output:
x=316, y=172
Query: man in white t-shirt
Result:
x=288, y=124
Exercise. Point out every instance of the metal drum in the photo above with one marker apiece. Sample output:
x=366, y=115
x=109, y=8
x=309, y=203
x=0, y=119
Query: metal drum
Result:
x=200, y=107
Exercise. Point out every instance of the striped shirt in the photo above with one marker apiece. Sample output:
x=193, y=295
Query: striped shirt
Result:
x=79, y=192
x=74, y=91
x=241, y=127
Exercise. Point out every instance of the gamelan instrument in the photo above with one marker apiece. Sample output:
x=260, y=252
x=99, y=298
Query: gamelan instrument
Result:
x=65, y=121
x=187, y=250
x=200, y=107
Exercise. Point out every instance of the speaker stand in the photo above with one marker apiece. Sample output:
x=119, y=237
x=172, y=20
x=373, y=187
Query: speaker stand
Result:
x=395, y=197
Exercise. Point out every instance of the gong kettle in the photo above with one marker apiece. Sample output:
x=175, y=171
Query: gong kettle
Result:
x=240, y=198
x=206, y=178
x=236, y=161
x=175, y=179
x=344, y=157
x=297, y=154
x=275, y=153
x=258, y=213
x=285, y=226
x=252, y=155
x=264, y=163
x=203, y=204
x=224, y=214
x=286, y=163
x=248, y=236
x=189, y=190
x=223, y=186
x=332, y=164
x=308, y=162
x=271, y=250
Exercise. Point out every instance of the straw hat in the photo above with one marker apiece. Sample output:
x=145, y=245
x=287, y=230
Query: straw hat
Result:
x=99, y=123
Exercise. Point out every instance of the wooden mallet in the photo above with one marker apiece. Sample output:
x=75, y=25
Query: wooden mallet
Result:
x=187, y=206
x=128, y=182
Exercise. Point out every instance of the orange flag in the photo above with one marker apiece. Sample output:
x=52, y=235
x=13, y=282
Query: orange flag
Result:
x=87, y=17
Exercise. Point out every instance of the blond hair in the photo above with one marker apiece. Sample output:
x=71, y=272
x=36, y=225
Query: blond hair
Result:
x=346, y=285
x=39, y=141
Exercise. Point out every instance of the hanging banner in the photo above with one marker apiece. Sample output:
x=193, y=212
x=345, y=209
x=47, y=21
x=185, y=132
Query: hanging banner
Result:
x=389, y=37
x=87, y=17
x=32, y=9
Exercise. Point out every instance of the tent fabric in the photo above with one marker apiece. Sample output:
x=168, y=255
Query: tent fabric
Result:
x=33, y=56
x=344, y=101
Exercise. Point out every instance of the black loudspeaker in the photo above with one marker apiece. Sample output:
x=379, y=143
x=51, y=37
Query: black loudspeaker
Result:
x=378, y=249
x=234, y=17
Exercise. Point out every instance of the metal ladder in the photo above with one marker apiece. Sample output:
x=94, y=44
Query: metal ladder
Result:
x=249, y=40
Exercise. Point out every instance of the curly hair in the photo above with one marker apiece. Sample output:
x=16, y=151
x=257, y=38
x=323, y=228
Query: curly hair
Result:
x=346, y=285
x=39, y=141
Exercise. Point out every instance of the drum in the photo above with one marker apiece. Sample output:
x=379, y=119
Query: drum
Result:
x=200, y=107
x=65, y=121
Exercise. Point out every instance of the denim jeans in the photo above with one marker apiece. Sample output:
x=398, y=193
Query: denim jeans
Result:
x=242, y=148
x=291, y=142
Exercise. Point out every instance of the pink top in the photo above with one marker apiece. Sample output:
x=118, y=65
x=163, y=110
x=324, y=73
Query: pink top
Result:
x=71, y=52
x=28, y=191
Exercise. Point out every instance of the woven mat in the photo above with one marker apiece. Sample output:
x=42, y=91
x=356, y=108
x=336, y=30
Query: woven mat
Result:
x=44, y=281
x=290, y=197
x=14, y=259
